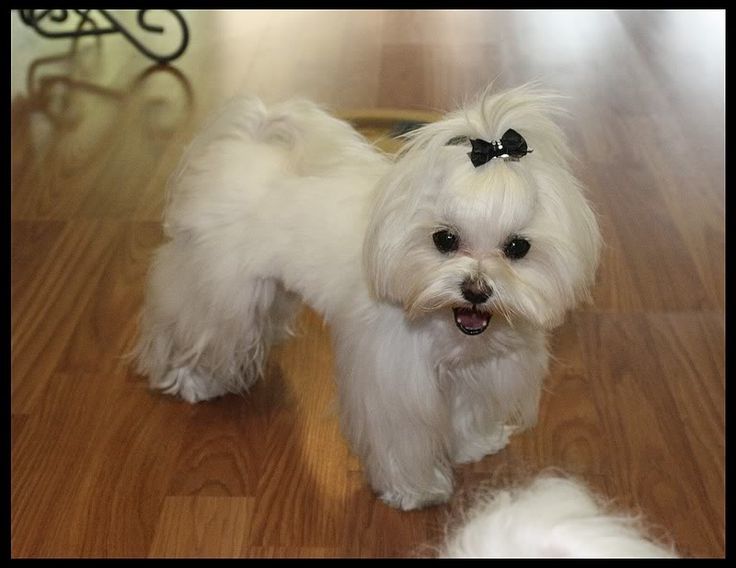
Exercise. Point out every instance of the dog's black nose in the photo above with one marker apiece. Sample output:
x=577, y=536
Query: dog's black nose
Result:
x=475, y=292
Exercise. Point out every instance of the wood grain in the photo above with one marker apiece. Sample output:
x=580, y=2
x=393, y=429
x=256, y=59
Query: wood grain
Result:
x=203, y=526
x=634, y=404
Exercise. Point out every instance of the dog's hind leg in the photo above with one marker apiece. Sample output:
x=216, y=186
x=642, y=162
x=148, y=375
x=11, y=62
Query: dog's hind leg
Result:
x=203, y=335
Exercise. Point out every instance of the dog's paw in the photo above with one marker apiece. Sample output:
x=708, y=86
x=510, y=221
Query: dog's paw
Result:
x=413, y=501
x=418, y=499
x=470, y=451
x=190, y=385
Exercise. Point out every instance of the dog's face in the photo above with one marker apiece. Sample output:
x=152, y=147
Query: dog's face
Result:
x=508, y=239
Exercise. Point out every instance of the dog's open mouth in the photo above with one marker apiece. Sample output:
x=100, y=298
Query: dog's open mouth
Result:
x=470, y=321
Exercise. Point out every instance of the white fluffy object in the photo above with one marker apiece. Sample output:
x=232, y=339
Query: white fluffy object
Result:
x=550, y=517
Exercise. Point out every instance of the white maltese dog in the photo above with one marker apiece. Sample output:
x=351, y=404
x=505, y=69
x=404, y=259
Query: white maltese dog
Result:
x=440, y=272
x=550, y=517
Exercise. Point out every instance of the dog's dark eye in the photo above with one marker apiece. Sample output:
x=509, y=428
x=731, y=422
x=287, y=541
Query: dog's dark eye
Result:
x=516, y=248
x=445, y=241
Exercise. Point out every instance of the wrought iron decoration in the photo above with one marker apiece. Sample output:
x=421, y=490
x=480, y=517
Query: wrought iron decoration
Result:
x=37, y=19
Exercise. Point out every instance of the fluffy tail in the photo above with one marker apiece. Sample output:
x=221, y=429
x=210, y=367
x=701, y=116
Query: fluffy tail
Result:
x=310, y=138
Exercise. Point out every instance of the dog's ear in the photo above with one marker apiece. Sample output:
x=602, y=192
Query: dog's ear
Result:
x=384, y=239
x=589, y=242
x=568, y=243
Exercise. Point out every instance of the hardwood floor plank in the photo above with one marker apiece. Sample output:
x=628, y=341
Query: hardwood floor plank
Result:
x=104, y=460
x=652, y=251
x=300, y=497
x=636, y=402
x=573, y=439
x=48, y=460
x=46, y=311
x=30, y=244
x=197, y=527
x=690, y=350
x=108, y=326
x=294, y=552
x=17, y=425
x=224, y=445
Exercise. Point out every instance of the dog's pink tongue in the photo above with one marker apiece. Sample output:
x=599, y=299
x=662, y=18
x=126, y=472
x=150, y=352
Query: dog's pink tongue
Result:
x=471, y=321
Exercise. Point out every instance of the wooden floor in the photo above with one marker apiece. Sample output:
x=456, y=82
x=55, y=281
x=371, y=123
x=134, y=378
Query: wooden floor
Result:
x=634, y=402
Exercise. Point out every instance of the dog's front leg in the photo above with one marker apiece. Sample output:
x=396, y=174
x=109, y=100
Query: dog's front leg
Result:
x=493, y=399
x=394, y=416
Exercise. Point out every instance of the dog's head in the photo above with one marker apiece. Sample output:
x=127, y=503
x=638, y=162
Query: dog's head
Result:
x=510, y=237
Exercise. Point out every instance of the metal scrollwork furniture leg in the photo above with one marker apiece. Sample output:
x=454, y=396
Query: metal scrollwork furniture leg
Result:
x=43, y=21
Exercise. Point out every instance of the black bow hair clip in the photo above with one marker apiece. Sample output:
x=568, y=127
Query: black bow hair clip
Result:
x=511, y=146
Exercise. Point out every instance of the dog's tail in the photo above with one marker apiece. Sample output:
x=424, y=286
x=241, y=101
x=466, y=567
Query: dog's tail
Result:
x=247, y=149
x=310, y=138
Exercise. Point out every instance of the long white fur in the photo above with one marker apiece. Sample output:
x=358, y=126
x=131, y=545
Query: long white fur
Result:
x=273, y=206
x=552, y=516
